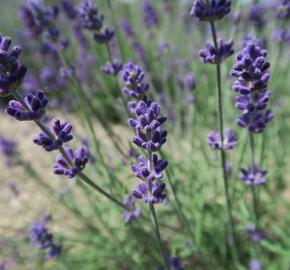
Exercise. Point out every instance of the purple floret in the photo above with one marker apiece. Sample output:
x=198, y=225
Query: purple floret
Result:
x=212, y=55
x=78, y=161
x=62, y=132
x=253, y=176
x=35, y=103
x=230, y=140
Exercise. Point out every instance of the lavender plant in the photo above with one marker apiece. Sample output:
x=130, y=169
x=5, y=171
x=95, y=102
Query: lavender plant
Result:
x=102, y=65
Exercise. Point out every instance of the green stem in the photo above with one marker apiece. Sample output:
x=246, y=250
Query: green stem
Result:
x=155, y=220
x=253, y=190
x=233, y=248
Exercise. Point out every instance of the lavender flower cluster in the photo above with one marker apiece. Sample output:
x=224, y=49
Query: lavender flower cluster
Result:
x=90, y=19
x=251, y=71
x=42, y=239
x=150, y=135
x=32, y=108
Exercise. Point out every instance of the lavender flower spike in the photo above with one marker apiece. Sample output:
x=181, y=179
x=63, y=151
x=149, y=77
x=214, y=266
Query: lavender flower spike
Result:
x=210, y=10
x=79, y=160
x=150, y=17
x=36, y=104
x=251, y=71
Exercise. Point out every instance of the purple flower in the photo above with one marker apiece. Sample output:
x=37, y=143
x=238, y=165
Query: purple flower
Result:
x=62, y=132
x=78, y=161
x=230, y=140
x=282, y=35
x=132, y=75
x=53, y=252
x=11, y=71
x=175, y=263
x=212, y=55
x=282, y=9
x=251, y=71
x=142, y=170
x=127, y=28
x=150, y=17
x=39, y=235
x=210, y=10
x=254, y=234
x=35, y=104
x=256, y=15
x=8, y=148
x=156, y=195
x=104, y=36
x=89, y=17
x=255, y=264
x=149, y=132
x=253, y=176
x=41, y=238
x=133, y=212
x=69, y=9
x=187, y=82
x=37, y=19
x=112, y=68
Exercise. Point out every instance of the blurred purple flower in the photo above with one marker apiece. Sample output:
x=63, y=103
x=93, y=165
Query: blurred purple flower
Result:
x=150, y=17
x=210, y=10
x=255, y=264
x=211, y=55
x=89, y=16
x=253, y=176
x=133, y=212
x=230, y=140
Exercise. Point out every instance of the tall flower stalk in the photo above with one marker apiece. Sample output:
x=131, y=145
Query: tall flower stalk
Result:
x=210, y=10
x=150, y=136
x=251, y=71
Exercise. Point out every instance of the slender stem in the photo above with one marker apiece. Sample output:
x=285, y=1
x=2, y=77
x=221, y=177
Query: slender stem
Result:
x=158, y=236
x=155, y=221
x=233, y=248
x=253, y=190
x=89, y=182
